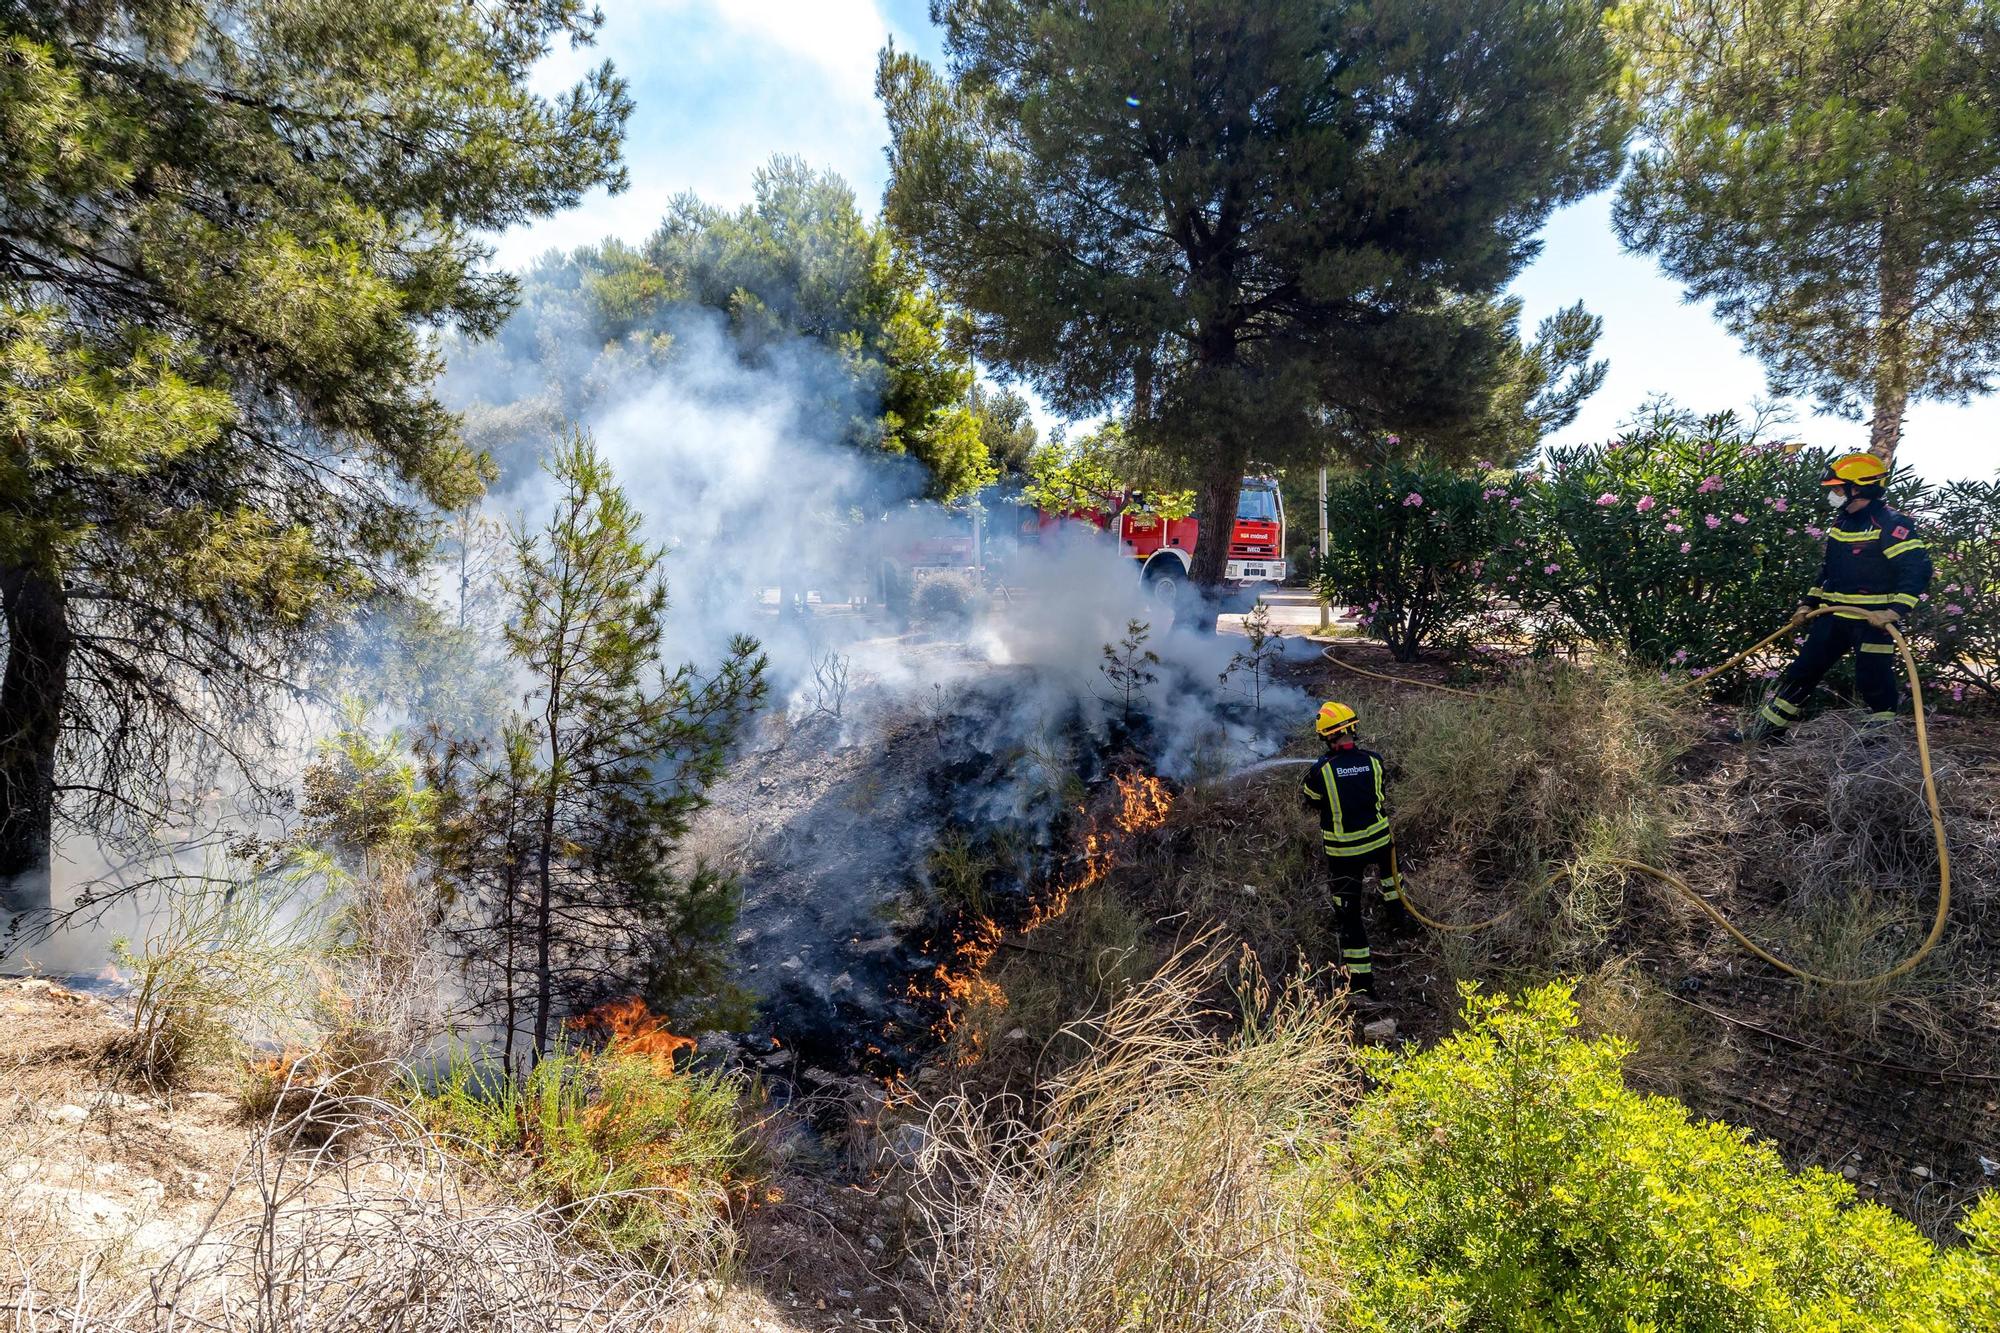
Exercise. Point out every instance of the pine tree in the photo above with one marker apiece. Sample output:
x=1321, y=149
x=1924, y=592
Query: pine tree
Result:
x=599, y=776
x=1258, y=230
x=1829, y=175
x=226, y=227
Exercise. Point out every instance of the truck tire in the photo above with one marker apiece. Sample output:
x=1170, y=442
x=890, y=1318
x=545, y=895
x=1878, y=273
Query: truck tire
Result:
x=1166, y=581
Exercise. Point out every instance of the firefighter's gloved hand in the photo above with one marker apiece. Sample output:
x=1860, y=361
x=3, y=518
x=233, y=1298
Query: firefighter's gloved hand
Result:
x=1884, y=619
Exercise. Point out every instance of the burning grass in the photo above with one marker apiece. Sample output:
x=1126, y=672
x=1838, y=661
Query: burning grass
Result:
x=648, y=1160
x=964, y=984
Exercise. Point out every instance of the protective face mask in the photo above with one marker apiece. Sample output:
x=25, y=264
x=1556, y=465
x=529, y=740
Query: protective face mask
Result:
x=1836, y=498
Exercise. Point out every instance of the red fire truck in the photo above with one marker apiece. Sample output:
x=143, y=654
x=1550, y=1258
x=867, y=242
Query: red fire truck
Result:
x=1163, y=548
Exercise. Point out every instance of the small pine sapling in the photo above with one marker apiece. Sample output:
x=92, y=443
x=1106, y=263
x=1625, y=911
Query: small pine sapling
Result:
x=1259, y=661
x=1126, y=666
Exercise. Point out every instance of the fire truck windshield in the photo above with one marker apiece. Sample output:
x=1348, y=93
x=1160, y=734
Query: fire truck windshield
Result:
x=1258, y=503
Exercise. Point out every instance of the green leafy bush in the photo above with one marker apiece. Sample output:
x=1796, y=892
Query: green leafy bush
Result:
x=1507, y=1179
x=1678, y=545
x=945, y=602
x=1959, y=626
x=647, y=1161
x=1409, y=545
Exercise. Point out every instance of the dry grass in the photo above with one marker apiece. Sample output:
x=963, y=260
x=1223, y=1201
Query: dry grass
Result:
x=1150, y=1194
x=1668, y=1051
x=1832, y=832
x=1560, y=767
x=374, y=1230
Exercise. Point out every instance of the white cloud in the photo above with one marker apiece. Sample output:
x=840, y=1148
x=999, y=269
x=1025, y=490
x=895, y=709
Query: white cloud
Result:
x=719, y=87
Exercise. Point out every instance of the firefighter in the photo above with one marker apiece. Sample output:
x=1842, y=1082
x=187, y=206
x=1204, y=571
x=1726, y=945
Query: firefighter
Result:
x=1875, y=570
x=1345, y=788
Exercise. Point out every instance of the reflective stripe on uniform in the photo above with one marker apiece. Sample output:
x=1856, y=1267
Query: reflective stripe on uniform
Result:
x=1338, y=850
x=1878, y=648
x=1774, y=717
x=1859, y=598
x=1913, y=544
x=1886, y=715
x=1864, y=535
x=1908, y=599
x=1786, y=706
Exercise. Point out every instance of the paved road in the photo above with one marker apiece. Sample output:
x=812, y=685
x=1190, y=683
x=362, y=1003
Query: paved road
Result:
x=1293, y=610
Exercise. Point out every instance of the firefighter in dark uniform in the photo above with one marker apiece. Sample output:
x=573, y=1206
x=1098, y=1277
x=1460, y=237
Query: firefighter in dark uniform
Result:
x=1345, y=788
x=1876, y=569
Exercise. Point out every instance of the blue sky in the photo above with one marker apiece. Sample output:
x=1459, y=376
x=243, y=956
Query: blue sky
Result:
x=723, y=85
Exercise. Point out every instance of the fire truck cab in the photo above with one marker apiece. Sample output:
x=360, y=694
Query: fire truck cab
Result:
x=1164, y=547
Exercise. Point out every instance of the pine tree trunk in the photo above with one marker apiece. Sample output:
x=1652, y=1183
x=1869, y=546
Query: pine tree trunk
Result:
x=1221, y=489
x=31, y=704
x=1215, y=509
x=1896, y=296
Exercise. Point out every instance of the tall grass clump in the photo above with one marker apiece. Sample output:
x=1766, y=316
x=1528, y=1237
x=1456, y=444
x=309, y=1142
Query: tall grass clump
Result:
x=644, y=1160
x=1147, y=1191
x=1562, y=767
x=1507, y=1179
x=220, y=962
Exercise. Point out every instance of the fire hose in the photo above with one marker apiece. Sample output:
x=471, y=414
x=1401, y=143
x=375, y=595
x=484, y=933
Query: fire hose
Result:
x=1678, y=884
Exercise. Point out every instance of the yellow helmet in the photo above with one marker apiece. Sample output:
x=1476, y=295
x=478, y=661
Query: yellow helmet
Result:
x=1334, y=718
x=1855, y=470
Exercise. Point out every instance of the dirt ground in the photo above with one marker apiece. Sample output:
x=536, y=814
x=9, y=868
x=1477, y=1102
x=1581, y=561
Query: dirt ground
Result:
x=100, y=1178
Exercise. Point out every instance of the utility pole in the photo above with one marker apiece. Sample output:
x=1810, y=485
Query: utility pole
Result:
x=1325, y=622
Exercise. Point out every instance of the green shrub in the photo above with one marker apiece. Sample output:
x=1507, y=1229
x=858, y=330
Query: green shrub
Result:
x=1409, y=545
x=1959, y=627
x=646, y=1160
x=1679, y=544
x=944, y=602
x=1507, y=1179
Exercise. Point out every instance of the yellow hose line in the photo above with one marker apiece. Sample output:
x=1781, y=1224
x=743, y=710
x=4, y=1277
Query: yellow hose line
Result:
x=1687, y=890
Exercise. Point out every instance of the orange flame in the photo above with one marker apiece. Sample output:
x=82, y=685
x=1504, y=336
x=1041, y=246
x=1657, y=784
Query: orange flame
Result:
x=633, y=1029
x=1143, y=804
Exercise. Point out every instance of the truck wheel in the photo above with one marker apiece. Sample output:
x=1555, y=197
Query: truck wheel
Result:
x=1164, y=582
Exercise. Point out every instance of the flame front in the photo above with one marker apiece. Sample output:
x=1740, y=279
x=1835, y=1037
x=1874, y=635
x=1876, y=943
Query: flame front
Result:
x=1143, y=805
x=633, y=1029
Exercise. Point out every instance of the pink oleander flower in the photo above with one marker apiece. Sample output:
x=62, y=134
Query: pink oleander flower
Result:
x=1781, y=504
x=1791, y=532
x=1645, y=503
x=1492, y=492
x=1675, y=527
x=1951, y=587
x=1709, y=484
x=1513, y=578
x=1958, y=694
x=1485, y=465
x=1514, y=503
x=1738, y=518
x=1953, y=609
x=1551, y=569
x=1674, y=513
x=1606, y=500
x=1815, y=533
x=1686, y=547
x=1394, y=439
x=1413, y=500
x=1680, y=656
x=1712, y=521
